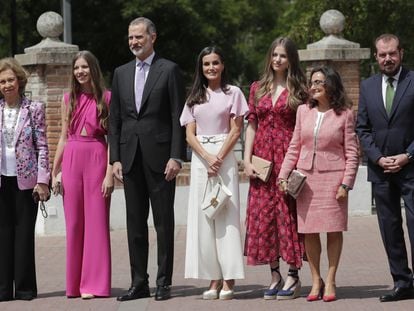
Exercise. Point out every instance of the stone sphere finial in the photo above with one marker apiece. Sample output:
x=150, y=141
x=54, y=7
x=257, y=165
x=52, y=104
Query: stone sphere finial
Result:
x=332, y=22
x=50, y=25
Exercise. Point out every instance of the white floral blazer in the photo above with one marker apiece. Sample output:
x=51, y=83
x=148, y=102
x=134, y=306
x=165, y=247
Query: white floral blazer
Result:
x=30, y=170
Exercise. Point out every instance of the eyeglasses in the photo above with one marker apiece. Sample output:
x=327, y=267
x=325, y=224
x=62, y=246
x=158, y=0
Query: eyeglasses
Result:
x=316, y=83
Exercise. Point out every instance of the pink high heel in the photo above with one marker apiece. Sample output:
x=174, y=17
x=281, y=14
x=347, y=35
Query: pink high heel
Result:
x=330, y=298
x=319, y=295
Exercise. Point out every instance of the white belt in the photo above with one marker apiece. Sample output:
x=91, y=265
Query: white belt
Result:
x=211, y=139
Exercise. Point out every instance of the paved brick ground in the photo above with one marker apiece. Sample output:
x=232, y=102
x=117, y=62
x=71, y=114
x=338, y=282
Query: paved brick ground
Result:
x=363, y=276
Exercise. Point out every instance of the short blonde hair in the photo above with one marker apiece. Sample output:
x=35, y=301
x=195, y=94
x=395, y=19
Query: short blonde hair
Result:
x=12, y=64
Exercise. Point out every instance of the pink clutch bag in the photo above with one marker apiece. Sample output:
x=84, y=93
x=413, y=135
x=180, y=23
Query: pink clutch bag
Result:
x=263, y=167
x=295, y=183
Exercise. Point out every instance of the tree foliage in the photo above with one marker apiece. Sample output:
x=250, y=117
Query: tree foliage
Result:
x=187, y=26
x=242, y=28
x=27, y=13
x=364, y=21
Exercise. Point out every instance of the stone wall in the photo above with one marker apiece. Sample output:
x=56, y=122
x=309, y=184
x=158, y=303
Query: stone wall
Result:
x=350, y=74
x=58, y=80
x=47, y=83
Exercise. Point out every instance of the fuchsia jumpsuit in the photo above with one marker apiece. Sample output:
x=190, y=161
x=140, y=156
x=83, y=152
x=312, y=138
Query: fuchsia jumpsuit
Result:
x=88, y=253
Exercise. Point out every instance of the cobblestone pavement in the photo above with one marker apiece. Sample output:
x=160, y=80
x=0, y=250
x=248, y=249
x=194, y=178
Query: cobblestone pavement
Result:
x=362, y=277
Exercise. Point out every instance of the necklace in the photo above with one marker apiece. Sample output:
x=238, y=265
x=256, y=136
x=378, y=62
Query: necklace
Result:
x=10, y=116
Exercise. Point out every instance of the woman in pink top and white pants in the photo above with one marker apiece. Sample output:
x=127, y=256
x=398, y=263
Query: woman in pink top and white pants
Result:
x=213, y=116
x=87, y=180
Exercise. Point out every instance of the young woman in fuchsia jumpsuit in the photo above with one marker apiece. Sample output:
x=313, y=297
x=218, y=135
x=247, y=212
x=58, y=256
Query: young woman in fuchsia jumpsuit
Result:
x=87, y=180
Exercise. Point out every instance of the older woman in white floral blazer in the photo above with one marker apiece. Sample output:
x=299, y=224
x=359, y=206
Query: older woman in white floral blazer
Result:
x=24, y=167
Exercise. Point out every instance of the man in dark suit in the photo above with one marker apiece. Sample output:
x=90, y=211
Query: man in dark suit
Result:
x=385, y=127
x=146, y=145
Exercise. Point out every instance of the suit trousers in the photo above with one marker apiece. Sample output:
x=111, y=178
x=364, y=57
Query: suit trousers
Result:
x=142, y=186
x=18, y=214
x=387, y=196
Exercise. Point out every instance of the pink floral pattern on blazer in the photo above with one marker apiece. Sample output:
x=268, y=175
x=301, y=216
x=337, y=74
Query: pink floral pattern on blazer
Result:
x=30, y=170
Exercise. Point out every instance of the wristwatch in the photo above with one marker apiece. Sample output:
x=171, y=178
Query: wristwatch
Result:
x=410, y=156
x=345, y=187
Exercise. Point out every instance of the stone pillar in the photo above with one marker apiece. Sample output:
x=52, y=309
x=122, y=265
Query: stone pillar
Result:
x=49, y=67
x=334, y=50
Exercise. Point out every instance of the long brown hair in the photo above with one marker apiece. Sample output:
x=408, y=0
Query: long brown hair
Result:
x=98, y=88
x=197, y=94
x=295, y=79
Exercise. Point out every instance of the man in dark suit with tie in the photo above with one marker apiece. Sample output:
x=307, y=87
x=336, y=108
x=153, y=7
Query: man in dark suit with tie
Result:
x=146, y=145
x=385, y=127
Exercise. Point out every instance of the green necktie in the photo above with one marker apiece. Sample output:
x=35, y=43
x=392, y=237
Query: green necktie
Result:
x=389, y=95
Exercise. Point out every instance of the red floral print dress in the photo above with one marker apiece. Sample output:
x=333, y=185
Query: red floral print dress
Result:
x=271, y=226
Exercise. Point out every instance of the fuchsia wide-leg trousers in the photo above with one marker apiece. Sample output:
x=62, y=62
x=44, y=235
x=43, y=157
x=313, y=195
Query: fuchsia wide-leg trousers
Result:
x=88, y=253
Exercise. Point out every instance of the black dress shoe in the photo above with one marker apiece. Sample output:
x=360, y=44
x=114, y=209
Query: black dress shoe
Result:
x=398, y=293
x=163, y=292
x=25, y=297
x=135, y=293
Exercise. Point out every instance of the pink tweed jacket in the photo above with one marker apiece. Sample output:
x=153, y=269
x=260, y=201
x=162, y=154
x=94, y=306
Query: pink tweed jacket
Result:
x=336, y=147
x=30, y=170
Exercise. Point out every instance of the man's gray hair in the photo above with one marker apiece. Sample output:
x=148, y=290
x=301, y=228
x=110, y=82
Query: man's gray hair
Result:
x=143, y=20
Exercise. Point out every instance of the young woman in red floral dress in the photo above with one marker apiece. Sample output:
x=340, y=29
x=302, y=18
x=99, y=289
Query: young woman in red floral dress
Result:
x=271, y=231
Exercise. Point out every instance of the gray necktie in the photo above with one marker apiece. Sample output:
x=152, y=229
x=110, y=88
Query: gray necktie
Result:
x=389, y=95
x=139, y=84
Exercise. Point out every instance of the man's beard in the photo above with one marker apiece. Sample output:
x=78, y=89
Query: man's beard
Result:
x=136, y=52
x=391, y=73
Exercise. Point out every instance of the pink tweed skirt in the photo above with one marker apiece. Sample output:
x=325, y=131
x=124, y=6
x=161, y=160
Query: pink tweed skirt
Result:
x=317, y=208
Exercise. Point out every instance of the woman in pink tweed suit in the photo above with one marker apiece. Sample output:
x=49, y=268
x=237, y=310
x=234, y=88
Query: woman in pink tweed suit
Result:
x=21, y=172
x=324, y=148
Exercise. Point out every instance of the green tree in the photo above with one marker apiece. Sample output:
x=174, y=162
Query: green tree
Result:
x=242, y=28
x=186, y=26
x=365, y=20
x=28, y=11
x=5, y=39
x=100, y=27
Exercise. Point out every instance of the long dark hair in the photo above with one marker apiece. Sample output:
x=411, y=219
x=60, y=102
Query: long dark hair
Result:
x=98, y=88
x=338, y=99
x=295, y=78
x=197, y=94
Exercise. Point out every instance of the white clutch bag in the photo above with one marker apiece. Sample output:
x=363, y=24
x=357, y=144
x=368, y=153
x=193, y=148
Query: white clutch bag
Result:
x=215, y=200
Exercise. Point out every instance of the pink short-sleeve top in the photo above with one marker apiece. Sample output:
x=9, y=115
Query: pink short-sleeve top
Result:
x=213, y=116
x=85, y=115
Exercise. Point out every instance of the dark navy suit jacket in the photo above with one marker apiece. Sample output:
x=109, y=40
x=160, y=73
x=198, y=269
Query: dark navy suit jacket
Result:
x=383, y=135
